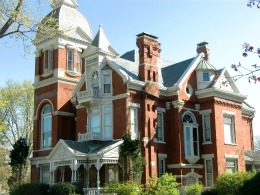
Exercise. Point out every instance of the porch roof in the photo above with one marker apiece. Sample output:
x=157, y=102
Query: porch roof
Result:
x=90, y=147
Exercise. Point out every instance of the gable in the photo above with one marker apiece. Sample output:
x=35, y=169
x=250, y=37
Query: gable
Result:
x=61, y=152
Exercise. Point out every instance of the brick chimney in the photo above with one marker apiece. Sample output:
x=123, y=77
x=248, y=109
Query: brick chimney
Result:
x=149, y=50
x=203, y=47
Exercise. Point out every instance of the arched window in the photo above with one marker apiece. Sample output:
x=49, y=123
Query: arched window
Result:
x=46, y=127
x=191, y=137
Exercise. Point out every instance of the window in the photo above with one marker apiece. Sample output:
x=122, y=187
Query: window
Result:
x=188, y=181
x=161, y=166
x=50, y=60
x=231, y=165
x=107, y=121
x=134, y=125
x=95, y=120
x=95, y=82
x=205, y=76
x=100, y=122
x=111, y=173
x=209, y=172
x=70, y=60
x=191, y=139
x=229, y=132
x=46, y=127
x=107, y=83
x=206, y=128
x=45, y=174
x=160, y=129
x=189, y=90
x=78, y=62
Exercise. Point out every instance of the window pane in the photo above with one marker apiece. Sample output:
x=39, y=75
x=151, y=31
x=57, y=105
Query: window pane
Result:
x=207, y=130
x=47, y=139
x=161, y=167
x=133, y=123
x=47, y=109
x=70, y=60
x=160, y=126
x=188, y=142
x=107, y=84
x=205, y=76
x=95, y=121
x=47, y=123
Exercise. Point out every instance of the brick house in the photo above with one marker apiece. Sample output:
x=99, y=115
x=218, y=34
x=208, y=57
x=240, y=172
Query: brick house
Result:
x=190, y=118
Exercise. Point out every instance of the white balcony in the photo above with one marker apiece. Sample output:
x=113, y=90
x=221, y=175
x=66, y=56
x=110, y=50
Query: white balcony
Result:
x=89, y=136
x=88, y=95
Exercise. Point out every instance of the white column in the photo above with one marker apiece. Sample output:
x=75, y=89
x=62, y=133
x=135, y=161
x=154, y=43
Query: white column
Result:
x=98, y=177
x=75, y=171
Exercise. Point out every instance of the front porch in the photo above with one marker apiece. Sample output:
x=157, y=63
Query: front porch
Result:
x=92, y=164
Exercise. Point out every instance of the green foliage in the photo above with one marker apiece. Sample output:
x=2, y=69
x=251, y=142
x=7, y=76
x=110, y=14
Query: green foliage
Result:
x=165, y=185
x=20, y=152
x=251, y=186
x=131, y=159
x=126, y=188
x=209, y=191
x=79, y=188
x=18, y=158
x=31, y=188
x=62, y=189
x=230, y=183
x=194, y=189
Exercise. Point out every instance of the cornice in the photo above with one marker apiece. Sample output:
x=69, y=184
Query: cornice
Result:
x=221, y=93
x=227, y=104
x=50, y=81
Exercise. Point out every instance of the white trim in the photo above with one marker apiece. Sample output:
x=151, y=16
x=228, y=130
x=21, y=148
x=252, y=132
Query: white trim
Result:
x=54, y=80
x=159, y=109
x=162, y=155
x=134, y=105
x=40, y=104
x=187, y=166
x=208, y=111
x=221, y=93
x=208, y=156
x=233, y=156
x=61, y=113
x=224, y=112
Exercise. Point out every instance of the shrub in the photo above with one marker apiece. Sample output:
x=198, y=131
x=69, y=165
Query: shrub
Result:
x=62, y=189
x=209, y=191
x=126, y=188
x=251, y=186
x=230, y=183
x=166, y=185
x=194, y=189
x=31, y=188
x=79, y=188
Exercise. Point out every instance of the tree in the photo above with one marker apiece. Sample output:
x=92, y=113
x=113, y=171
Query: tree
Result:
x=21, y=19
x=5, y=169
x=131, y=159
x=253, y=2
x=16, y=116
x=16, y=113
x=18, y=157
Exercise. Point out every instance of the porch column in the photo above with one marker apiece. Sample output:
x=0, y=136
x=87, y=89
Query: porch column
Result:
x=62, y=169
x=98, y=177
x=73, y=171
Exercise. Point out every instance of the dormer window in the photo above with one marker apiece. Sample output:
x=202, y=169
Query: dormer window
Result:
x=205, y=76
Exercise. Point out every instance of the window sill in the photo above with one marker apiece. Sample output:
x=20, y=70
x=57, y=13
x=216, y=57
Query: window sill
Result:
x=231, y=144
x=47, y=73
x=206, y=143
x=159, y=142
x=43, y=149
x=72, y=73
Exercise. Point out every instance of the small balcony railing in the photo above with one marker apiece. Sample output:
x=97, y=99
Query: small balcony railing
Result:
x=89, y=136
x=89, y=93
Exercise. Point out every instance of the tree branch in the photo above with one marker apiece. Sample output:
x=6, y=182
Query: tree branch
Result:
x=12, y=18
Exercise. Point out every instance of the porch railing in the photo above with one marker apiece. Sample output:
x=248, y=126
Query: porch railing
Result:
x=95, y=191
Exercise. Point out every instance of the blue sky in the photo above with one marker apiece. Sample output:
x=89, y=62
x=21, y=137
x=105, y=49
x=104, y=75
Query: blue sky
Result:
x=179, y=24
